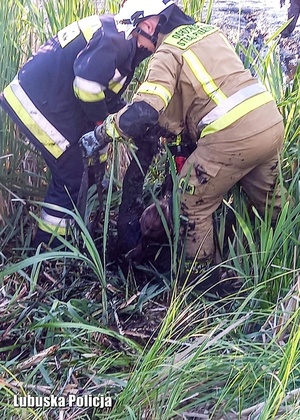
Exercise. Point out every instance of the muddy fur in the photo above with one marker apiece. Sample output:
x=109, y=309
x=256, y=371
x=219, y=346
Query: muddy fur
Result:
x=131, y=208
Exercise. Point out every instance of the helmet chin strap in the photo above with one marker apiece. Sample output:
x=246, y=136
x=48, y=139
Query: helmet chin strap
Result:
x=152, y=38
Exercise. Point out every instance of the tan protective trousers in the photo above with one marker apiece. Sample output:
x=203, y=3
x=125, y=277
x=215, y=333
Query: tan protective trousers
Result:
x=214, y=167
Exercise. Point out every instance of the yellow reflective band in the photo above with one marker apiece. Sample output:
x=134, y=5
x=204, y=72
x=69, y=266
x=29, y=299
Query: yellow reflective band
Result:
x=103, y=158
x=186, y=35
x=156, y=89
x=110, y=127
x=207, y=83
x=53, y=224
x=176, y=142
x=34, y=120
x=47, y=227
x=117, y=82
x=236, y=113
x=89, y=26
x=115, y=87
x=52, y=229
x=88, y=96
x=88, y=90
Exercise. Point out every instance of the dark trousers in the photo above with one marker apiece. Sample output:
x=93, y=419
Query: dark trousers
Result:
x=66, y=171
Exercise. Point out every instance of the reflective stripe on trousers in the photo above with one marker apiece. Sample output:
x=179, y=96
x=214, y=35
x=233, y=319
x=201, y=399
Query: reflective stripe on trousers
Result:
x=52, y=224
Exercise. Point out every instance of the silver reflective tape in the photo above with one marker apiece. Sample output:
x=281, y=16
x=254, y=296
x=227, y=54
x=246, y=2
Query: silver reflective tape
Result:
x=38, y=117
x=88, y=86
x=55, y=221
x=231, y=102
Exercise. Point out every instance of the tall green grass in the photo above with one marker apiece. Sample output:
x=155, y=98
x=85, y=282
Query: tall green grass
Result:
x=206, y=358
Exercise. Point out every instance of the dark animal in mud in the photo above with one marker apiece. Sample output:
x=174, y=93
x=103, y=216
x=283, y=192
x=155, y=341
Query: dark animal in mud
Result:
x=137, y=239
x=293, y=12
x=131, y=208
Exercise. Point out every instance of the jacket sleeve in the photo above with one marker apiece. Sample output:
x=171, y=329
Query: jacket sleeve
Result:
x=94, y=68
x=152, y=97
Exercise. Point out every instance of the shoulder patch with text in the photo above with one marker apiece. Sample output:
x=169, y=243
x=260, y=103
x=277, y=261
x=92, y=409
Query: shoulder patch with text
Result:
x=186, y=35
x=68, y=34
x=87, y=26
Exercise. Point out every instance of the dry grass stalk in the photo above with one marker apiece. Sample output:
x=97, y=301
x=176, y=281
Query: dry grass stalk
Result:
x=38, y=358
x=255, y=411
x=279, y=326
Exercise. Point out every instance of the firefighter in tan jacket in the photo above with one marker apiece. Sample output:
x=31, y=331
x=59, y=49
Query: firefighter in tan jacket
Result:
x=196, y=82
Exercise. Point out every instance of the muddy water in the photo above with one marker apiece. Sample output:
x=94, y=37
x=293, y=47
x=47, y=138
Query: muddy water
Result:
x=243, y=19
x=269, y=15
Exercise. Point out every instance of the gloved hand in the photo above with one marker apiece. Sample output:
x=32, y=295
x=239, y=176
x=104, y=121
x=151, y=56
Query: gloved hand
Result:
x=91, y=146
x=107, y=132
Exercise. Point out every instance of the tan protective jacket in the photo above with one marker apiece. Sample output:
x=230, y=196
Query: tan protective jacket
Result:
x=194, y=70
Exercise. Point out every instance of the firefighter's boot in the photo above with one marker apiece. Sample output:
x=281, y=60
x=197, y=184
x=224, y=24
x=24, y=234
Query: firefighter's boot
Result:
x=203, y=276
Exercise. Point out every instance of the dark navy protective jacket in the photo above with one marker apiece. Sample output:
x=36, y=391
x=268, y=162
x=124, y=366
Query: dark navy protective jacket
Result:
x=72, y=82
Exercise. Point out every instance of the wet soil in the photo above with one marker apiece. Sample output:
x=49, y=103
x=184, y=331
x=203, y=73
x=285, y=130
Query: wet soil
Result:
x=258, y=20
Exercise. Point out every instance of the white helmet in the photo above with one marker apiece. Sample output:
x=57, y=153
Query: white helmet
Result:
x=132, y=12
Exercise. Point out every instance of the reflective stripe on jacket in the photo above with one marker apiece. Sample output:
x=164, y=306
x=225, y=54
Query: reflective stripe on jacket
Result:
x=34, y=120
x=193, y=71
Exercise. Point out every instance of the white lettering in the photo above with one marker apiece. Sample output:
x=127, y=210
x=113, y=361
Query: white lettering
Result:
x=72, y=399
x=100, y=401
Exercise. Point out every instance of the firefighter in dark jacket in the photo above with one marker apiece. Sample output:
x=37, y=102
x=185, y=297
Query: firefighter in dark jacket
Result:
x=70, y=84
x=196, y=82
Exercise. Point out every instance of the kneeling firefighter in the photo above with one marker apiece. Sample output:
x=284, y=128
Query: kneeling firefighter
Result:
x=196, y=82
